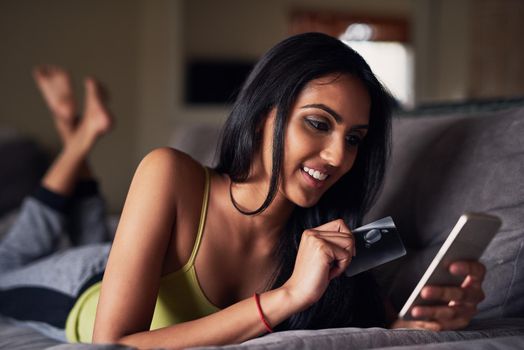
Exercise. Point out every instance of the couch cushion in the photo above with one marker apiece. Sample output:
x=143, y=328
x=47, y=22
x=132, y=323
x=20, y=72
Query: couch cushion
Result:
x=23, y=164
x=15, y=336
x=371, y=338
x=443, y=166
x=509, y=342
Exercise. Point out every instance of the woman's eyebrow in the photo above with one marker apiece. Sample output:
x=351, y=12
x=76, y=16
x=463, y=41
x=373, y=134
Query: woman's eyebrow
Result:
x=334, y=114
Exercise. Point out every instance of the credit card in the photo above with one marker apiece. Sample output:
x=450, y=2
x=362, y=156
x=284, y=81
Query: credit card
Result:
x=376, y=243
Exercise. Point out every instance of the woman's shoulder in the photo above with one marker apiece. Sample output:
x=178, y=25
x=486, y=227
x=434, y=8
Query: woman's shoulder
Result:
x=172, y=158
x=170, y=169
x=171, y=162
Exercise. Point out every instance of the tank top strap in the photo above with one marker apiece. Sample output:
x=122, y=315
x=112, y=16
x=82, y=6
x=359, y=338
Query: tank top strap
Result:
x=202, y=222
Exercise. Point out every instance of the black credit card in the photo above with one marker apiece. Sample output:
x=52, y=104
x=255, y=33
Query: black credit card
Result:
x=376, y=243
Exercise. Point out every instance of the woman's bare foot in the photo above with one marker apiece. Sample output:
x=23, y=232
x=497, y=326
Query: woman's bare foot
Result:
x=96, y=114
x=55, y=85
x=96, y=119
x=71, y=164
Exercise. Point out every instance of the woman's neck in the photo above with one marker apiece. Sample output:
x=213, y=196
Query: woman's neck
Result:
x=265, y=227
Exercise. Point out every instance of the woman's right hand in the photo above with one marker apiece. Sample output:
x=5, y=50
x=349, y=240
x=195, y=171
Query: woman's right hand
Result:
x=323, y=254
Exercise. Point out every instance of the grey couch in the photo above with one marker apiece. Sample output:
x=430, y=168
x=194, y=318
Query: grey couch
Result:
x=445, y=161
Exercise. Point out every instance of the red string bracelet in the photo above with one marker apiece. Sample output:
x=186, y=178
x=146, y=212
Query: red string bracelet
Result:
x=261, y=314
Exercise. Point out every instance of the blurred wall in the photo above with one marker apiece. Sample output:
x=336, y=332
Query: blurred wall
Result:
x=241, y=29
x=98, y=38
x=246, y=29
x=442, y=39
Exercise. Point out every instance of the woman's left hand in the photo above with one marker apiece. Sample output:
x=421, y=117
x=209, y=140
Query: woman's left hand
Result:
x=461, y=301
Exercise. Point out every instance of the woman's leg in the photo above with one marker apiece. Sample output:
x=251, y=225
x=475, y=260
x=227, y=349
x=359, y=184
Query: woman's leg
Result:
x=87, y=216
x=39, y=226
x=71, y=164
x=44, y=290
x=35, y=233
x=87, y=222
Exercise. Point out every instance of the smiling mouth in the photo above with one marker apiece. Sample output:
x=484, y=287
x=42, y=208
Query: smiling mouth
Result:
x=315, y=175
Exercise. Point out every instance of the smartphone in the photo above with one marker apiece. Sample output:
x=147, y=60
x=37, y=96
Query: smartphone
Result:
x=467, y=241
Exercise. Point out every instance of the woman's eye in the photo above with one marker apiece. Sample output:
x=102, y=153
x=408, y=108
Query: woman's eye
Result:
x=353, y=140
x=318, y=124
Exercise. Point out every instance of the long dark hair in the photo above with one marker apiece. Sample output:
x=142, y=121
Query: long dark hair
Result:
x=275, y=82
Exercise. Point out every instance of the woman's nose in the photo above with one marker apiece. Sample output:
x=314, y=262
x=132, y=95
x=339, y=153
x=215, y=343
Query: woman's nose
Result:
x=334, y=152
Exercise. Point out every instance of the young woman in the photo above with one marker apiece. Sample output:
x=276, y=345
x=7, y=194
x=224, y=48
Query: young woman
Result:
x=260, y=241
x=216, y=256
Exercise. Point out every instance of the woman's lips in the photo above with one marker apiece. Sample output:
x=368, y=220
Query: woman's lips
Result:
x=311, y=181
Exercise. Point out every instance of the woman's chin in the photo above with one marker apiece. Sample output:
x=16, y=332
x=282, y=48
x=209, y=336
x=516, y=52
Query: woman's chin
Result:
x=306, y=202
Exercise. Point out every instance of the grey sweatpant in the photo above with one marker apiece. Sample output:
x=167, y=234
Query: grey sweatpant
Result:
x=33, y=258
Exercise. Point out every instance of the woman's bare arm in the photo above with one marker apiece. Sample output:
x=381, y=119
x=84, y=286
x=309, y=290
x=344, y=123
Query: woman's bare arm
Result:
x=132, y=277
x=235, y=324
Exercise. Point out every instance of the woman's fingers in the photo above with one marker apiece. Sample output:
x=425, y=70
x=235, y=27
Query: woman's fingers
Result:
x=343, y=240
x=472, y=294
x=337, y=225
x=445, y=313
x=428, y=325
x=337, y=229
x=444, y=294
x=338, y=247
x=448, y=317
x=341, y=251
x=475, y=269
x=340, y=263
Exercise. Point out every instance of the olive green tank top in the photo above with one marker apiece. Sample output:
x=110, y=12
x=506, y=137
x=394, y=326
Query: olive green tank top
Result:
x=180, y=297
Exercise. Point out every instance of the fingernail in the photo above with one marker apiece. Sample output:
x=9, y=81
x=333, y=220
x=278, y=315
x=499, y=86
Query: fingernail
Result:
x=415, y=312
x=457, y=269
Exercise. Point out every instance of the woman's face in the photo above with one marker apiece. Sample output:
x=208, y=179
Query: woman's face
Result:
x=325, y=127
